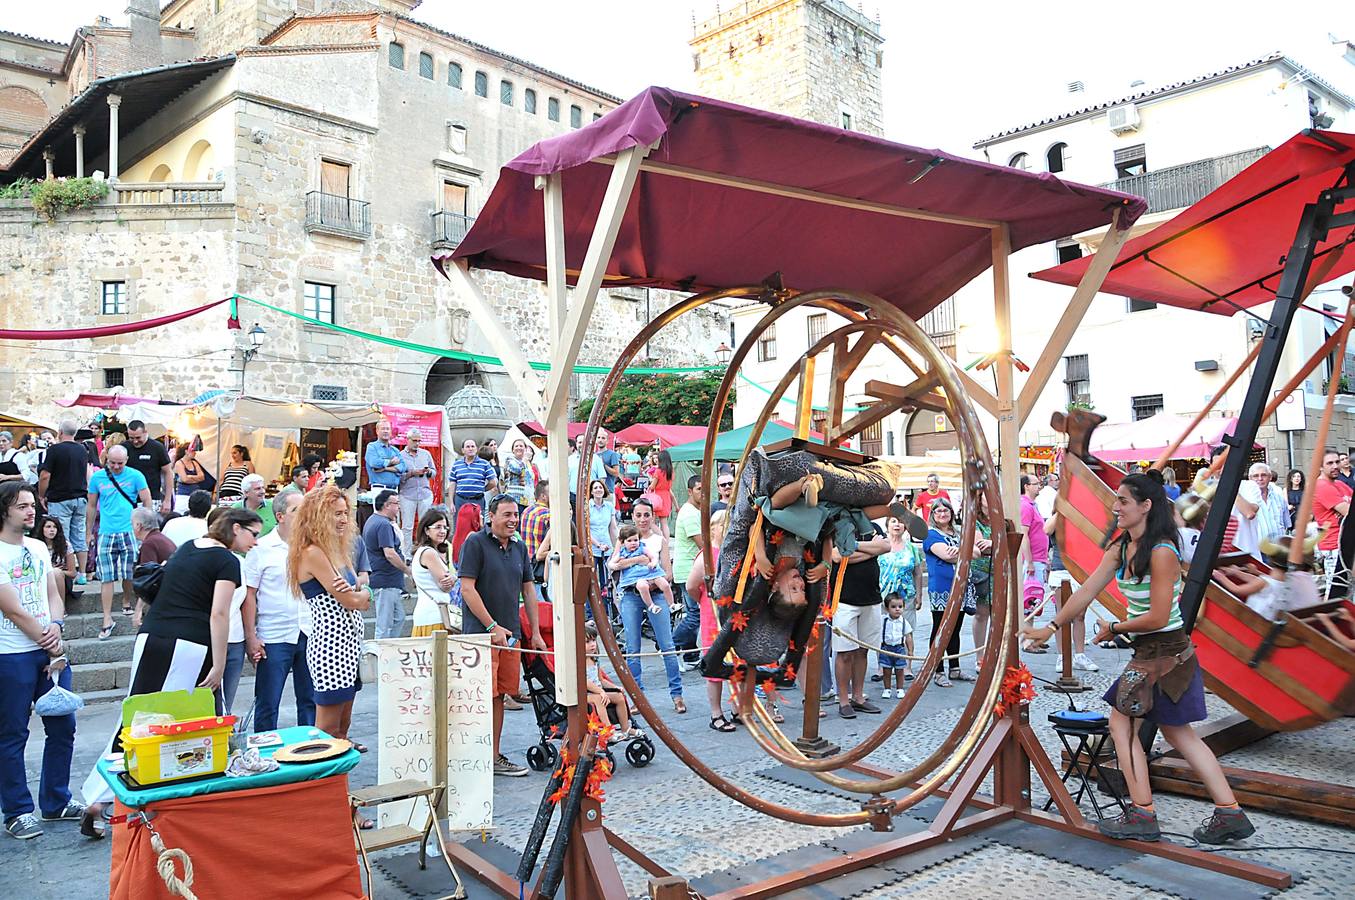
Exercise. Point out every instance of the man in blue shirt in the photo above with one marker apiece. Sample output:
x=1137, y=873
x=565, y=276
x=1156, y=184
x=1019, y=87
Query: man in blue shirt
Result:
x=611, y=463
x=470, y=478
x=114, y=491
x=387, y=566
x=383, y=461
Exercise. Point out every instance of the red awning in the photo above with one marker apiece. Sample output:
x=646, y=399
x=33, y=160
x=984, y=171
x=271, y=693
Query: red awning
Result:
x=1145, y=439
x=533, y=428
x=105, y=401
x=732, y=195
x=666, y=435
x=1227, y=251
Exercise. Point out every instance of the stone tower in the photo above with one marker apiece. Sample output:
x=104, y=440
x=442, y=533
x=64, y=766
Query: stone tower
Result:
x=814, y=59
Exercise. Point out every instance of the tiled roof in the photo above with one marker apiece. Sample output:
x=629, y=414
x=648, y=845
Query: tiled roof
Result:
x=36, y=40
x=1175, y=86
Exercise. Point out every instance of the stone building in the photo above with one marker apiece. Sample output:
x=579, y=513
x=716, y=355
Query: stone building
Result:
x=312, y=155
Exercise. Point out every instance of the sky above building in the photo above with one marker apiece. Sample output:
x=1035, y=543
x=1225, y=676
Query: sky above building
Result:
x=954, y=73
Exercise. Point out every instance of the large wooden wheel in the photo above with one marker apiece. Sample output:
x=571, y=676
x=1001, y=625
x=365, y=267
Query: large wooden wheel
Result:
x=933, y=383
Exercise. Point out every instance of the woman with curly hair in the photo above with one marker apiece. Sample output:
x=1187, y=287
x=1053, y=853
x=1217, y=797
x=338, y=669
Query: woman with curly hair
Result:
x=319, y=569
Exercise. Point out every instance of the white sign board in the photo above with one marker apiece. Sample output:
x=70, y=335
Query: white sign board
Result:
x=1292, y=414
x=405, y=726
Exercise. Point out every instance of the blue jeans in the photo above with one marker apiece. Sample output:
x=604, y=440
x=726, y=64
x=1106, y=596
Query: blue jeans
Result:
x=688, y=631
x=230, y=680
x=22, y=681
x=827, y=683
x=461, y=500
x=633, y=613
x=270, y=676
x=71, y=515
x=390, y=612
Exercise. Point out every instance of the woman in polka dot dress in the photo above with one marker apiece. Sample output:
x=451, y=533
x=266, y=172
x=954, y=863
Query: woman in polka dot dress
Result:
x=318, y=568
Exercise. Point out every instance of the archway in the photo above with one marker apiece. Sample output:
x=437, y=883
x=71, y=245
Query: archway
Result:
x=200, y=163
x=927, y=430
x=161, y=174
x=445, y=378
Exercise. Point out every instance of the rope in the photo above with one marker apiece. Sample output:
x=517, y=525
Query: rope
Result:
x=883, y=652
x=164, y=865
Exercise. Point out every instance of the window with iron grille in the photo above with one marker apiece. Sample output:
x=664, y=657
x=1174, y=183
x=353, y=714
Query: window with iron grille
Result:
x=113, y=299
x=506, y=93
x=318, y=301
x=529, y=100
x=766, y=344
x=1145, y=407
x=426, y=65
x=481, y=84
x=328, y=392
x=818, y=327
x=114, y=378
x=575, y=117
x=553, y=109
x=1077, y=378
x=396, y=55
x=454, y=75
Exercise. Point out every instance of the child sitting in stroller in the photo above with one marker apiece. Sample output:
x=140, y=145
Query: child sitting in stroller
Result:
x=605, y=697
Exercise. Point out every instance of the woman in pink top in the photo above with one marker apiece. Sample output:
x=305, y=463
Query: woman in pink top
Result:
x=710, y=622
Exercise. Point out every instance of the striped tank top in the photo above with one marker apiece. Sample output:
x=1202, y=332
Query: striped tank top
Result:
x=1136, y=593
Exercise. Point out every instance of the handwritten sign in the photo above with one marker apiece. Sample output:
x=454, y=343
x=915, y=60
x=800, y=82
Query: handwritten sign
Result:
x=405, y=720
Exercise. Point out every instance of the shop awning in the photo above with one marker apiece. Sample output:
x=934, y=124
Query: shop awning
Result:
x=1145, y=439
x=1227, y=251
x=731, y=195
x=667, y=435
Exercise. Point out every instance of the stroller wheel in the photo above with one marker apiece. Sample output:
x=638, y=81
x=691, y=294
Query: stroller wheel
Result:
x=539, y=757
x=610, y=758
x=552, y=755
x=639, y=752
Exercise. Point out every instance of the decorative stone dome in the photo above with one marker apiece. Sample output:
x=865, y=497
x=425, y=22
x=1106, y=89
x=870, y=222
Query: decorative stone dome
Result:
x=474, y=403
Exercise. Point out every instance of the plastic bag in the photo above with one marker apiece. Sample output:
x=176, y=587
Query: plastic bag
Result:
x=143, y=720
x=58, y=702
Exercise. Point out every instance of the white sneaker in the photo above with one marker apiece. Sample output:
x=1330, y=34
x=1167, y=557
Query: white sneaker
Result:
x=886, y=694
x=1083, y=664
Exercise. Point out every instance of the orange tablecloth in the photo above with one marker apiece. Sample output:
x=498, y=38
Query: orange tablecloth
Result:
x=292, y=840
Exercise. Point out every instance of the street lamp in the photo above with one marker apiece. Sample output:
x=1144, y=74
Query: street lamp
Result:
x=249, y=350
x=723, y=354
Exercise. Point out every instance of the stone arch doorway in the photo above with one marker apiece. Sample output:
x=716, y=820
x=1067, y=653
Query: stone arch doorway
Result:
x=447, y=376
x=927, y=430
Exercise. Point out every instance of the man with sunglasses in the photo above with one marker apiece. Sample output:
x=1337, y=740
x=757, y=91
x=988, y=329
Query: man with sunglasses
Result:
x=725, y=488
x=31, y=613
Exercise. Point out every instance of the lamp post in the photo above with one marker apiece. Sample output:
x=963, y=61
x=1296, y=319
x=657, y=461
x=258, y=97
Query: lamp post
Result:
x=249, y=348
x=723, y=353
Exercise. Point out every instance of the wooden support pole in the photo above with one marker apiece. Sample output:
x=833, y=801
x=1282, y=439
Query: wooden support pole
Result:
x=1073, y=314
x=440, y=735
x=837, y=392
x=505, y=345
x=804, y=409
x=1008, y=425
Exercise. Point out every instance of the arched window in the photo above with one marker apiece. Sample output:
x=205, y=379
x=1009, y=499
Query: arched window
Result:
x=575, y=117
x=529, y=100
x=426, y=66
x=481, y=84
x=454, y=75
x=1054, y=157
x=396, y=54
x=506, y=93
x=1019, y=161
x=553, y=109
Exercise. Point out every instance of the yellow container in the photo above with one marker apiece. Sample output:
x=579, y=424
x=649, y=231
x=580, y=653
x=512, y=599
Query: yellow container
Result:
x=174, y=757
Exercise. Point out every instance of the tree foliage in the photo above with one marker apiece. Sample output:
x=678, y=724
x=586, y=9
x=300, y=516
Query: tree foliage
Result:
x=669, y=399
x=56, y=195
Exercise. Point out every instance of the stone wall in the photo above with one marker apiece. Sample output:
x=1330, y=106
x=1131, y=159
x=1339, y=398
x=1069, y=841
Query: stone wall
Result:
x=815, y=59
x=240, y=23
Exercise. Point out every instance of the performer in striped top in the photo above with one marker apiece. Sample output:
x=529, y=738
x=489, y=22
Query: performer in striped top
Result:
x=1162, y=684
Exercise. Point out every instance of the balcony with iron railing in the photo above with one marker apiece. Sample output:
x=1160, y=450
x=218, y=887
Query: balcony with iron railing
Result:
x=1180, y=186
x=449, y=229
x=337, y=214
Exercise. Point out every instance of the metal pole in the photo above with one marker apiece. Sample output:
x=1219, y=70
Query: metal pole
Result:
x=1312, y=230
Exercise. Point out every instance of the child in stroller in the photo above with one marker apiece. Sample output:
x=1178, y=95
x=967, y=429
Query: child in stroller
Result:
x=552, y=718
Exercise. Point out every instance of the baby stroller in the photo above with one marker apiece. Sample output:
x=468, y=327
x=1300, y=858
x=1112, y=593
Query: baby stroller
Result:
x=552, y=718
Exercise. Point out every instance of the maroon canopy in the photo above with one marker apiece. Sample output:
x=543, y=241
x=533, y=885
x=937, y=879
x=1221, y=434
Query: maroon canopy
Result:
x=666, y=435
x=690, y=233
x=1226, y=252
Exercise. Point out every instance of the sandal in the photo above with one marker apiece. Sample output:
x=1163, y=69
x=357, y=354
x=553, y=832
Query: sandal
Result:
x=776, y=714
x=127, y=610
x=679, y=704
x=361, y=748
x=91, y=825
x=365, y=824
x=107, y=631
x=720, y=723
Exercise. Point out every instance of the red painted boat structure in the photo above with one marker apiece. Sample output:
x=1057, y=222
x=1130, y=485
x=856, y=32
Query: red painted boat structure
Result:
x=1284, y=676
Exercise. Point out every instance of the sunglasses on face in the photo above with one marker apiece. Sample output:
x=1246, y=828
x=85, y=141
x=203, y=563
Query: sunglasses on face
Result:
x=726, y=484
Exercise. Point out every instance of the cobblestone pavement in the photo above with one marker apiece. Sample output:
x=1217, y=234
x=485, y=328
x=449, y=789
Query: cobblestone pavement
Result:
x=690, y=828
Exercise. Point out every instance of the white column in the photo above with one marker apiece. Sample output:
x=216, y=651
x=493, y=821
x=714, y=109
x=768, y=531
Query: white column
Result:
x=79, y=131
x=114, y=101
x=48, y=158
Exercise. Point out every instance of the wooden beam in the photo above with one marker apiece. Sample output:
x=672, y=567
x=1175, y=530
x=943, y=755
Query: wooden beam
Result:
x=853, y=359
x=804, y=410
x=781, y=190
x=568, y=341
x=906, y=394
x=892, y=398
x=837, y=391
x=507, y=347
x=1008, y=430
x=978, y=393
x=1073, y=314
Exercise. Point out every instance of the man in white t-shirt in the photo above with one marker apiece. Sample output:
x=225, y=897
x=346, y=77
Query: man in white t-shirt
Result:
x=31, y=656
x=276, y=622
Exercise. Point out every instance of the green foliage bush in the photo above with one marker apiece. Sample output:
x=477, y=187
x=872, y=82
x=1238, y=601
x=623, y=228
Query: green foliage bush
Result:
x=669, y=399
x=53, y=197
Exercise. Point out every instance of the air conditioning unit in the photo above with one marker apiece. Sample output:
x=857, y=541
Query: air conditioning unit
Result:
x=1123, y=119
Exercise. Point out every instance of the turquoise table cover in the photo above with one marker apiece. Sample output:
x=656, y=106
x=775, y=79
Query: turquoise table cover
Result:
x=286, y=773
